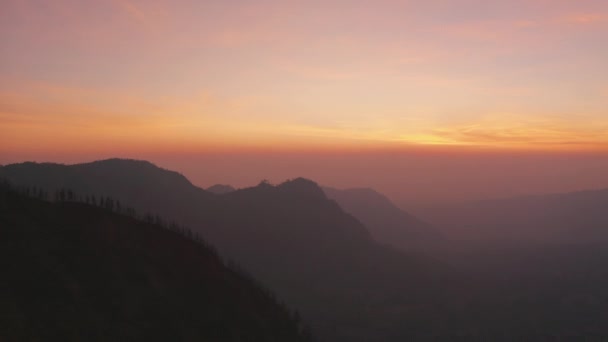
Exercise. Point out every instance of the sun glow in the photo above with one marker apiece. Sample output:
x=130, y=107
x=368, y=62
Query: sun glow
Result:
x=148, y=76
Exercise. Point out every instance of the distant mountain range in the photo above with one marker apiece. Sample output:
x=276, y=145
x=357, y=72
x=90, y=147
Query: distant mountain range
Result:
x=295, y=239
x=386, y=222
x=577, y=217
x=77, y=272
x=290, y=236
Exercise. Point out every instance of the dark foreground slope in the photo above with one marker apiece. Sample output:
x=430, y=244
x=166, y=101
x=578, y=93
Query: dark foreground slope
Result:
x=386, y=222
x=301, y=244
x=75, y=272
x=323, y=261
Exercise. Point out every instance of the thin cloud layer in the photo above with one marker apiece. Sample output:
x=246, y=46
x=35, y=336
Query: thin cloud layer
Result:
x=333, y=74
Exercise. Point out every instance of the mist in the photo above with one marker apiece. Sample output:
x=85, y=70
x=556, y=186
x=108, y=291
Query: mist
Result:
x=413, y=179
x=354, y=264
x=304, y=171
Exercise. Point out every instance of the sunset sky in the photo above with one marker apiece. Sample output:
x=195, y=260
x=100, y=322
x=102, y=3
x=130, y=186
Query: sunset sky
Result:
x=80, y=80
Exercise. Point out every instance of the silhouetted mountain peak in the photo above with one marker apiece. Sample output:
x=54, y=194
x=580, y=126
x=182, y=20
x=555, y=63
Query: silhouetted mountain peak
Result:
x=220, y=189
x=303, y=186
x=297, y=188
x=139, y=170
x=141, y=167
x=265, y=184
x=134, y=180
x=125, y=162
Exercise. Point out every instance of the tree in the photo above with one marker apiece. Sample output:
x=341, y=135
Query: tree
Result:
x=149, y=218
x=131, y=212
x=307, y=333
x=158, y=220
x=109, y=204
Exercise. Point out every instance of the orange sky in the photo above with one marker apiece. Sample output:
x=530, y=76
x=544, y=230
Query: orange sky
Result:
x=85, y=79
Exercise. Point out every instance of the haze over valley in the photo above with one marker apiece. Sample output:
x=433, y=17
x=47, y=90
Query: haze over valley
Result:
x=278, y=170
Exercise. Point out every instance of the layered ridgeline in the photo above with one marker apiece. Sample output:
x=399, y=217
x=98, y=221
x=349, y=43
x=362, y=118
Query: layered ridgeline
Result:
x=78, y=272
x=291, y=236
x=323, y=261
x=386, y=222
x=577, y=217
x=220, y=189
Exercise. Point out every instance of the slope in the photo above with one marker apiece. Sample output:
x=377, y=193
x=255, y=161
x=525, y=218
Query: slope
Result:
x=75, y=272
x=290, y=236
x=386, y=222
x=220, y=189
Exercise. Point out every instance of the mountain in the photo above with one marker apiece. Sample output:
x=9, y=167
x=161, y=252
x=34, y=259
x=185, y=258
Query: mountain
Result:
x=298, y=242
x=316, y=257
x=75, y=272
x=132, y=181
x=578, y=217
x=386, y=222
x=220, y=189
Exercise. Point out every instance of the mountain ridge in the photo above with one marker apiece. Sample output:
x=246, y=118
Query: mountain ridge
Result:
x=290, y=236
x=113, y=277
x=386, y=222
x=220, y=189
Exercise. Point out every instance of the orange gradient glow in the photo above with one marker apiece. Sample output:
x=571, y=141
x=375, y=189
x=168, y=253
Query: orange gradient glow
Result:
x=82, y=80
x=128, y=75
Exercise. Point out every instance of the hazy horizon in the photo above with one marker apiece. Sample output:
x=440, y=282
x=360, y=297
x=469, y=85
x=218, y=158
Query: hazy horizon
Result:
x=442, y=106
x=413, y=181
x=425, y=101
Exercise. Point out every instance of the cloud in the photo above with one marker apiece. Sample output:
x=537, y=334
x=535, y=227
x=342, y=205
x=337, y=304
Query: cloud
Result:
x=133, y=10
x=585, y=18
x=524, y=132
x=47, y=116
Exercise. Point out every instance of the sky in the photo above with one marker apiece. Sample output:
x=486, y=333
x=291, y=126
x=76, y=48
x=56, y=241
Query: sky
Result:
x=352, y=93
